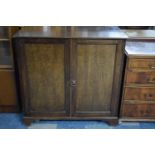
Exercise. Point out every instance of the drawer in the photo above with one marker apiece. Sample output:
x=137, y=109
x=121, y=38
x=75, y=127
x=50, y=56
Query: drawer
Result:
x=140, y=77
x=141, y=64
x=138, y=110
x=142, y=93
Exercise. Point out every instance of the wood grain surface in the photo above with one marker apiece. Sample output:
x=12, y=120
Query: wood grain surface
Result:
x=8, y=94
x=142, y=111
x=141, y=93
x=94, y=72
x=45, y=69
x=140, y=77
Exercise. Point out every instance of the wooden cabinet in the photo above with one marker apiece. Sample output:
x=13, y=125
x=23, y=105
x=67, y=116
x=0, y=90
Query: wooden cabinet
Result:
x=138, y=102
x=69, y=78
x=8, y=92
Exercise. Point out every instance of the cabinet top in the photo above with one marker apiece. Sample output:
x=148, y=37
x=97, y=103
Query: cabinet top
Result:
x=89, y=32
x=140, y=48
x=140, y=34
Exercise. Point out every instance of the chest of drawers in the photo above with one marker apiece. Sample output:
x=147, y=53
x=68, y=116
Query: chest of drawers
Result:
x=138, y=100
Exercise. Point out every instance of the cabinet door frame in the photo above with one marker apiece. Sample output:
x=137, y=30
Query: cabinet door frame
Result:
x=116, y=86
x=20, y=61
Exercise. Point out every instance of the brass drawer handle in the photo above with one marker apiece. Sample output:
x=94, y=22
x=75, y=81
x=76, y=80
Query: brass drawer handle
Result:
x=151, y=80
x=131, y=102
x=148, y=96
x=151, y=66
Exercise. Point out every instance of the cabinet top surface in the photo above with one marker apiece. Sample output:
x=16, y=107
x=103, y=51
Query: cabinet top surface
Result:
x=140, y=48
x=90, y=32
x=140, y=34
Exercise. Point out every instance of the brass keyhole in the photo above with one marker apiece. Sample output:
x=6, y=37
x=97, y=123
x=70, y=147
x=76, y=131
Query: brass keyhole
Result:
x=73, y=83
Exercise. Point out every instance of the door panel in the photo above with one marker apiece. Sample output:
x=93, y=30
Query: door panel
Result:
x=94, y=69
x=44, y=77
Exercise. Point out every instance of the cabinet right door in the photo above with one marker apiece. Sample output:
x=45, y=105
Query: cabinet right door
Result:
x=96, y=73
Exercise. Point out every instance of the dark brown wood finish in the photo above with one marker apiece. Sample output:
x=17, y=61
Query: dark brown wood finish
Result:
x=71, y=74
x=96, y=66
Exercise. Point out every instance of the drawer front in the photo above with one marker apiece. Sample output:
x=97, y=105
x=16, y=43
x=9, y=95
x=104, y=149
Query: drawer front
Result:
x=140, y=77
x=143, y=93
x=141, y=64
x=138, y=110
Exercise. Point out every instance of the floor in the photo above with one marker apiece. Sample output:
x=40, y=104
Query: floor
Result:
x=14, y=121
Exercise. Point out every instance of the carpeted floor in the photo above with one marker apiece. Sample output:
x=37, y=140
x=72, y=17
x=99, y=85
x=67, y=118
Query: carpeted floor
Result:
x=14, y=121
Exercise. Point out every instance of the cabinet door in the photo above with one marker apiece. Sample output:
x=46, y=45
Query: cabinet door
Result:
x=43, y=70
x=95, y=77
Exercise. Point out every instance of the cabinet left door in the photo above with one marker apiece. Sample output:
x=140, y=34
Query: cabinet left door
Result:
x=43, y=66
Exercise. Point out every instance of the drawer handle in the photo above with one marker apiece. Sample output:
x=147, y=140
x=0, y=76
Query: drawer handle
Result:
x=148, y=96
x=152, y=67
x=151, y=80
x=131, y=102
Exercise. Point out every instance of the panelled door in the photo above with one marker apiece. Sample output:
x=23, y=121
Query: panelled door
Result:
x=96, y=69
x=43, y=69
